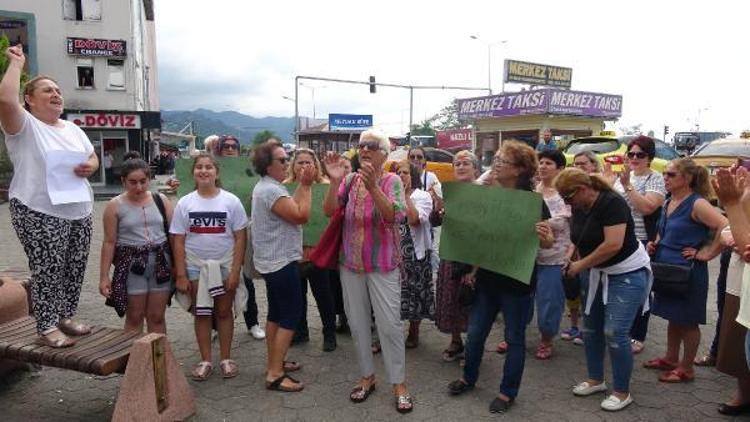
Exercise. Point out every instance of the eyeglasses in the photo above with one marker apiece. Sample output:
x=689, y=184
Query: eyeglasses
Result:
x=417, y=157
x=230, y=146
x=638, y=155
x=567, y=197
x=503, y=162
x=282, y=160
x=369, y=145
x=670, y=174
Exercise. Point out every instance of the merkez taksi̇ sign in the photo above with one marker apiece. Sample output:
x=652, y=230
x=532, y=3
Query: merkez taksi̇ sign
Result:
x=541, y=101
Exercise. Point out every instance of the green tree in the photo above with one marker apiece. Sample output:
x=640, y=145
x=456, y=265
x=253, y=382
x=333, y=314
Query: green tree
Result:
x=4, y=62
x=263, y=136
x=423, y=129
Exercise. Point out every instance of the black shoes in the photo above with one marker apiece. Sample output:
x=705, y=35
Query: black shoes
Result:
x=329, y=342
x=729, y=410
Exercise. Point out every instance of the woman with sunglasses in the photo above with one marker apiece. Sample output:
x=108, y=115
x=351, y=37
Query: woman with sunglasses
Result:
x=643, y=189
x=514, y=167
x=304, y=159
x=615, y=280
x=374, y=205
x=451, y=316
x=277, y=219
x=684, y=239
x=229, y=146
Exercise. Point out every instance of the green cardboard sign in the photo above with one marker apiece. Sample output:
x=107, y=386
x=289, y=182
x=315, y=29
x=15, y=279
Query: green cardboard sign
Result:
x=492, y=228
x=234, y=178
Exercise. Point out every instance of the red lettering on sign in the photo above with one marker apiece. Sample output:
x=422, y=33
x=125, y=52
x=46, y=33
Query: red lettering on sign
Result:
x=129, y=121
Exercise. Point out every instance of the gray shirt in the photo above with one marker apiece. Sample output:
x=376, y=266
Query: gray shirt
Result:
x=276, y=242
x=137, y=226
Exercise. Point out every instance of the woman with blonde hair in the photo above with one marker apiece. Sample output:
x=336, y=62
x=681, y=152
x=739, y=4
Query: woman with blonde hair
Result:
x=684, y=239
x=451, y=316
x=305, y=158
x=613, y=264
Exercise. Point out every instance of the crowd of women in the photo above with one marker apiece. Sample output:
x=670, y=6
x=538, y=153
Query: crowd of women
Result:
x=602, y=237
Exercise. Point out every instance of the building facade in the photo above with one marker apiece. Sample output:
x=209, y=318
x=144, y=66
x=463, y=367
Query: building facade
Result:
x=102, y=53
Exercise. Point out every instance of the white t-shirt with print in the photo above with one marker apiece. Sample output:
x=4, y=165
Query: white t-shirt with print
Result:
x=209, y=223
x=28, y=151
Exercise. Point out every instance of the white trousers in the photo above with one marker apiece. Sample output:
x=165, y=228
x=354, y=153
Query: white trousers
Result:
x=382, y=292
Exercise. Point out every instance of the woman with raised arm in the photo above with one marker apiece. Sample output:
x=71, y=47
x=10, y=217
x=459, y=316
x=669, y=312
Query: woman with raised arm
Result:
x=374, y=206
x=54, y=229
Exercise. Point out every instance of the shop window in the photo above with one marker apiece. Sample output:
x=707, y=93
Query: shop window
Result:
x=116, y=74
x=85, y=73
x=82, y=10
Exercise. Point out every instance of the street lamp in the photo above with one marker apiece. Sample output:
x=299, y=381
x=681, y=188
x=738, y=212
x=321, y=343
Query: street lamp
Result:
x=312, y=91
x=489, y=60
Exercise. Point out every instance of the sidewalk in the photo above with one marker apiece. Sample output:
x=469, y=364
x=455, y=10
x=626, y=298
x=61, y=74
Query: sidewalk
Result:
x=57, y=395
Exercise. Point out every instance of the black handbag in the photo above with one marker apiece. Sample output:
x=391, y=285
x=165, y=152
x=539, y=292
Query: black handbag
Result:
x=670, y=279
x=651, y=221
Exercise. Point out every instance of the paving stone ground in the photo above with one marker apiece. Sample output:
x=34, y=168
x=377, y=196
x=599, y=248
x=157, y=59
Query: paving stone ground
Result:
x=58, y=395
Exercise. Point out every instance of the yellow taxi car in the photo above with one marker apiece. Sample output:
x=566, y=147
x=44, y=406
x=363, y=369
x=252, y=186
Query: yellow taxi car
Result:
x=722, y=153
x=612, y=149
x=439, y=161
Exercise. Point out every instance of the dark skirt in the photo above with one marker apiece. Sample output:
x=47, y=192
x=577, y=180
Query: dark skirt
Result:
x=731, y=356
x=417, y=297
x=450, y=316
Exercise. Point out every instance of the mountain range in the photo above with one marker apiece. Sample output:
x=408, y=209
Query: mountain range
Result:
x=242, y=126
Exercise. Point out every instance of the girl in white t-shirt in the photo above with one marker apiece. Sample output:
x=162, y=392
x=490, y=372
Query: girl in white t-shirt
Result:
x=53, y=225
x=209, y=228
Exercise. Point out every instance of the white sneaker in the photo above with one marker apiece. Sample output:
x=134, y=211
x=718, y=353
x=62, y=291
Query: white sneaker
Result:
x=586, y=389
x=257, y=332
x=613, y=404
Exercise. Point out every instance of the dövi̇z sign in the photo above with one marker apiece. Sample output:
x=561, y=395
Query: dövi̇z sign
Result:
x=92, y=47
x=106, y=120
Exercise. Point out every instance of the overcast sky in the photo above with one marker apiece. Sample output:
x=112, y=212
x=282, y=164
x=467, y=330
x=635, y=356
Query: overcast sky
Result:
x=673, y=63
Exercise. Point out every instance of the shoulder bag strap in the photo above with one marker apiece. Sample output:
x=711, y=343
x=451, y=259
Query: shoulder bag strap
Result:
x=160, y=205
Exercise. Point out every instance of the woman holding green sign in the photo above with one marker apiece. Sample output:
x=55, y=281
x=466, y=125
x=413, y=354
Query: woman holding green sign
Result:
x=608, y=254
x=304, y=159
x=514, y=167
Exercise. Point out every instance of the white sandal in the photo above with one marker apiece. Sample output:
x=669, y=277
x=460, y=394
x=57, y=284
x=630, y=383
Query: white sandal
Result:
x=202, y=370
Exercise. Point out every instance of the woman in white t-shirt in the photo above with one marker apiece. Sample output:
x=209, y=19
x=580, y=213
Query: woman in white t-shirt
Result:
x=53, y=225
x=209, y=247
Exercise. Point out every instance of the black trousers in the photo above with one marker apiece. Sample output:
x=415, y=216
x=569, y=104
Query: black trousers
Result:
x=321, y=289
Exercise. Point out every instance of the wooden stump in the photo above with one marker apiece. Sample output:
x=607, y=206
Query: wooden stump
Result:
x=154, y=387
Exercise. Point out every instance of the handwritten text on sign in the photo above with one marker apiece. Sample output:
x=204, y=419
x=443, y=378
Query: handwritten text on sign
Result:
x=492, y=228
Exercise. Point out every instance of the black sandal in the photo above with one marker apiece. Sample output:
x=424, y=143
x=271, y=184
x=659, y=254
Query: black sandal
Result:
x=500, y=406
x=449, y=355
x=459, y=387
x=354, y=395
x=291, y=366
x=275, y=385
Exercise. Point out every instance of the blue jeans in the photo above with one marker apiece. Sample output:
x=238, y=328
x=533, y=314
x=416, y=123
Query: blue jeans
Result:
x=549, y=298
x=490, y=300
x=609, y=325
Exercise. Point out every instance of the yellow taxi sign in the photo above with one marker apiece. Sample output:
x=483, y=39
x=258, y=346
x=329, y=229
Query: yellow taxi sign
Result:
x=608, y=133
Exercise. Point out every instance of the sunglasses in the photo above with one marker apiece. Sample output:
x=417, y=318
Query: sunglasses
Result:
x=638, y=155
x=568, y=196
x=670, y=174
x=230, y=146
x=416, y=157
x=369, y=145
x=282, y=160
